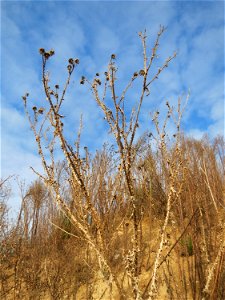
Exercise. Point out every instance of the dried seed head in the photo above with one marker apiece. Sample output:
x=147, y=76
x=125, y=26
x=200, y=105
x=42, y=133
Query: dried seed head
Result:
x=47, y=55
x=113, y=56
x=51, y=52
x=98, y=81
x=82, y=80
x=106, y=73
x=57, y=86
x=97, y=74
x=135, y=74
x=69, y=68
x=77, y=61
x=34, y=108
x=41, y=110
x=42, y=51
x=70, y=60
x=142, y=72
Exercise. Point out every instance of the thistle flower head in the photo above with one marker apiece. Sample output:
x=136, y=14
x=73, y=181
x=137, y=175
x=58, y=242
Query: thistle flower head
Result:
x=70, y=60
x=47, y=55
x=142, y=72
x=98, y=81
x=42, y=51
x=51, y=52
x=41, y=110
x=82, y=80
x=69, y=68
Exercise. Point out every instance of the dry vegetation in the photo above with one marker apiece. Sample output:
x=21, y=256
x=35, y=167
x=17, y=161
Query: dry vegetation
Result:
x=141, y=219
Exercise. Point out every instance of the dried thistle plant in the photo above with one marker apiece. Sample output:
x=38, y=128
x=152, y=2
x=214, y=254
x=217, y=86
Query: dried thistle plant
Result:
x=124, y=133
x=104, y=199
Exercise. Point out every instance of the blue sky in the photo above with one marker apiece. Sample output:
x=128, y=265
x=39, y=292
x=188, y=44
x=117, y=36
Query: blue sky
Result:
x=92, y=31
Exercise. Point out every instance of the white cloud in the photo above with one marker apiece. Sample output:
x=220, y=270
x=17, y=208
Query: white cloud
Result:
x=217, y=128
x=196, y=133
